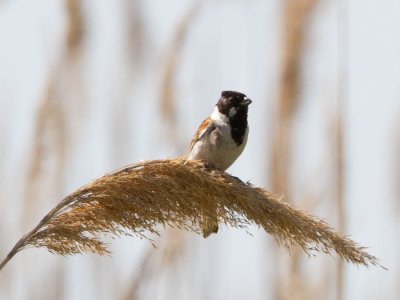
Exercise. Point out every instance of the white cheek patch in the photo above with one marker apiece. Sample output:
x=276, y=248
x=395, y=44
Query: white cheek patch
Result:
x=218, y=117
x=232, y=112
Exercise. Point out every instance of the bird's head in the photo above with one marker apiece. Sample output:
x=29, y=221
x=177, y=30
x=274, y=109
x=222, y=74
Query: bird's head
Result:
x=232, y=103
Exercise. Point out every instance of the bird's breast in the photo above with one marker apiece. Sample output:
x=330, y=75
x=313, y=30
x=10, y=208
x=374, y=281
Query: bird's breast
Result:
x=219, y=149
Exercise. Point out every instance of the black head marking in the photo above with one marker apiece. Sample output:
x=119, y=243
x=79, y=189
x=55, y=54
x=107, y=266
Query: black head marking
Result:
x=231, y=99
x=234, y=105
x=232, y=94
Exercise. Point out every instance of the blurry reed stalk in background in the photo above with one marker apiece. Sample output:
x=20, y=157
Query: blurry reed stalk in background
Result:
x=74, y=33
x=339, y=130
x=165, y=256
x=135, y=35
x=154, y=262
x=49, y=139
x=171, y=65
x=131, y=59
x=51, y=136
x=138, y=199
x=339, y=190
x=295, y=18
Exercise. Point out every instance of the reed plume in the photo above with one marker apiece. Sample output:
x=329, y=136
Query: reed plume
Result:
x=140, y=198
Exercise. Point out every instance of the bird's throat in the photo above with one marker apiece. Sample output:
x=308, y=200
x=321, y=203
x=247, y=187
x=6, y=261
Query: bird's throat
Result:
x=238, y=124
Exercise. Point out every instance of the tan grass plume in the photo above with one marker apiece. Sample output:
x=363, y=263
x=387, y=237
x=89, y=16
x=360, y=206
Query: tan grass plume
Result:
x=141, y=198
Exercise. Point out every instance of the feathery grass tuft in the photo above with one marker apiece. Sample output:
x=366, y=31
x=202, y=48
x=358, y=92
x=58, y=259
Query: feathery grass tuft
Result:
x=142, y=198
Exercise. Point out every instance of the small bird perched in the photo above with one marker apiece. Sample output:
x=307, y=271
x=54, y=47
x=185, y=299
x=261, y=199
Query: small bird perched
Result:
x=222, y=137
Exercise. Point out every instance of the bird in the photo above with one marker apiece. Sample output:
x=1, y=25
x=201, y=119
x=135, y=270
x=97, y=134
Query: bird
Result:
x=221, y=138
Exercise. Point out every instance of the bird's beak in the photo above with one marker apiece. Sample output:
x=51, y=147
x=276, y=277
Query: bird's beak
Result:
x=245, y=102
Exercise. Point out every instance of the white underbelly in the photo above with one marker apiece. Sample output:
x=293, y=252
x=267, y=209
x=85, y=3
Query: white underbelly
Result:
x=220, y=152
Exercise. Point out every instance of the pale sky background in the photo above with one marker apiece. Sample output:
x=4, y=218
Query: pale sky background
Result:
x=231, y=45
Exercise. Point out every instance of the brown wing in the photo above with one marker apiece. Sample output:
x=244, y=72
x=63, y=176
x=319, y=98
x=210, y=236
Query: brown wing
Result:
x=205, y=126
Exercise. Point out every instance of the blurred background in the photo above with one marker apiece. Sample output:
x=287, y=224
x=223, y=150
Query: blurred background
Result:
x=89, y=86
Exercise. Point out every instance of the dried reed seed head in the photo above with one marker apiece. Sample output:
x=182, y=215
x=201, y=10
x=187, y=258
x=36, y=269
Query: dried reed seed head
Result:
x=178, y=193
